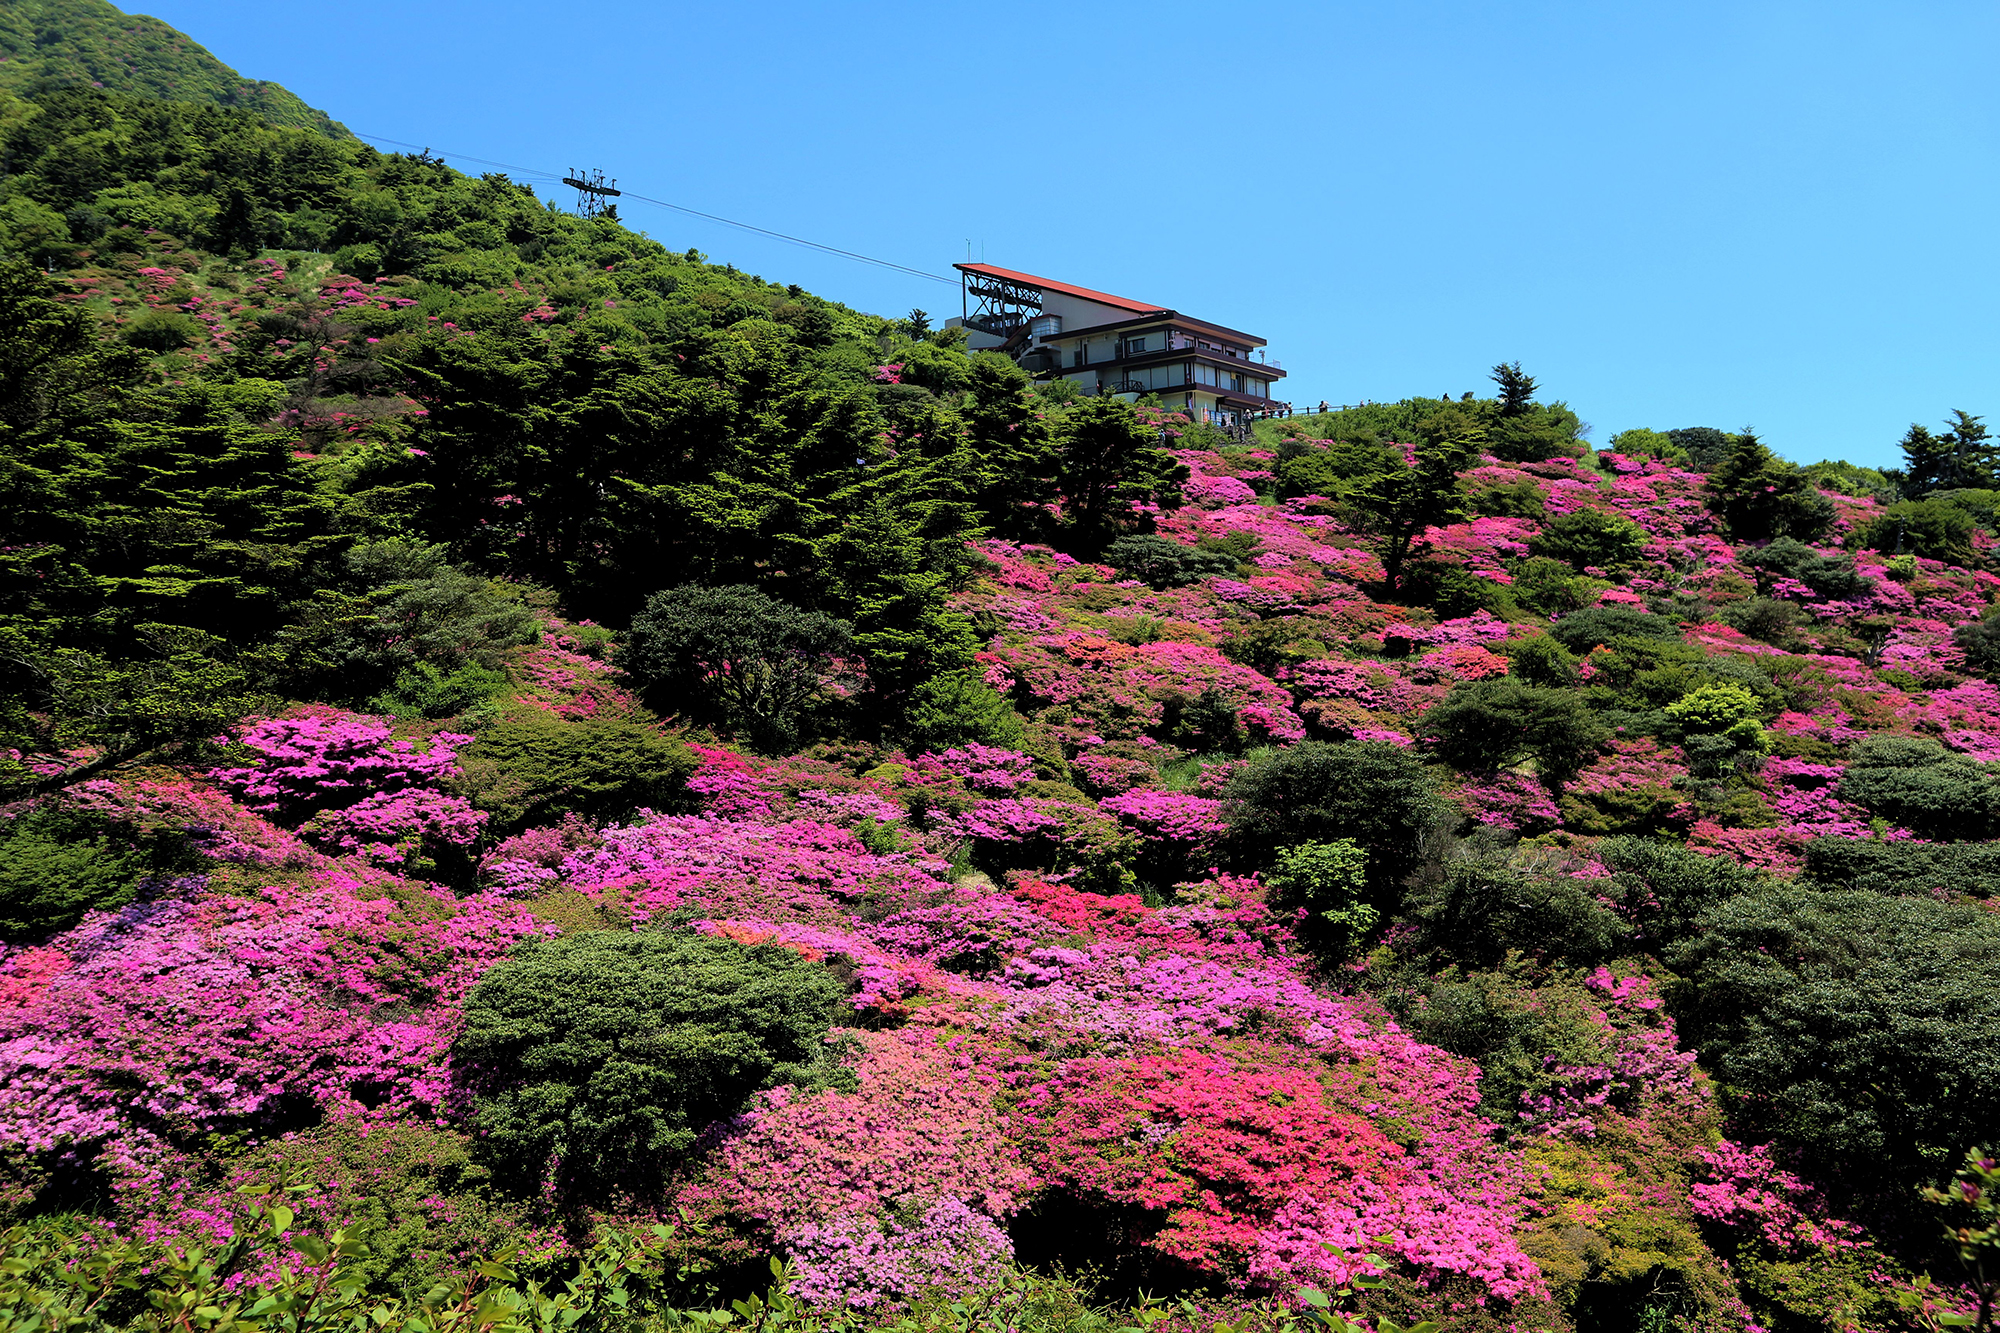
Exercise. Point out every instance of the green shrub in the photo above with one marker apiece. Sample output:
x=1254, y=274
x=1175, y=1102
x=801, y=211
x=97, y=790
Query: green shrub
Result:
x=1897, y=868
x=1161, y=563
x=734, y=657
x=536, y=768
x=1581, y=631
x=1831, y=576
x=1934, y=529
x=1488, y=724
x=1917, y=783
x=1760, y=496
x=1542, y=661
x=1860, y=1031
x=1980, y=641
x=1369, y=792
x=956, y=708
x=406, y=608
x=1665, y=888
x=1552, y=588
x=1518, y=1033
x=1478, y=912
x=603, y=1056
x=1590, y=538
x=1640, y=442
x=56, y=865
x=1763, y=618
x=162, y=331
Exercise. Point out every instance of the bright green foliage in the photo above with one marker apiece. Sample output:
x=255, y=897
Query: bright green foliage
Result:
x=1850, y=479
x=1490, y=724
x=55, y=865
x=538, y=767
x=1642, y=443
x=1720, y=727
x=1917, y=783
x=1589, y=538
x=1861, y=1031
x=602, y=1056
x=954, y=708
x=422, y=690
x=1328, y=879
x=734, y=657
x=1368, y=792
x=275, y=1276
x=1334, y=469
x=1971, y=1207
x=91, y=42
x=1760, y=496
x=1108, y=464
x=1935, y=529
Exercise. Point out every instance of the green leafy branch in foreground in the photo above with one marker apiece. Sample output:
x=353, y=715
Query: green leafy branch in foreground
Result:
x=269, y=1279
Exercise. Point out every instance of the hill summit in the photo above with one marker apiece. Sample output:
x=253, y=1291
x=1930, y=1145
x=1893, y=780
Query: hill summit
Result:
x=91, y=42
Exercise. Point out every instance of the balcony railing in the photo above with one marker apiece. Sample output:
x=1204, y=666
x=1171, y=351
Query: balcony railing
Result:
x=1181, y=344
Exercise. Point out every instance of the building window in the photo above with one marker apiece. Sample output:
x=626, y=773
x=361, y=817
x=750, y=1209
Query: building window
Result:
x=1077, y=358
x=1048, y=326
x=1134, y=346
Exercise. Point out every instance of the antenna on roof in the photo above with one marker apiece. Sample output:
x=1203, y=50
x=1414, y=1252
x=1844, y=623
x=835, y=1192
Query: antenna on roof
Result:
x=591, y=191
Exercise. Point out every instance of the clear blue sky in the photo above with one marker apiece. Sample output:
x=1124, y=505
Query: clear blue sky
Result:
x=1687, y=214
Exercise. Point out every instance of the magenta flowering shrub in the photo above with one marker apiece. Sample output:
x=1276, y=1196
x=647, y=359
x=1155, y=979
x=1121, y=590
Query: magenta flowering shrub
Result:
x=1169, y=816
x=365, y=791
x=331, y=759
x=802, y=869
x=1746, y=1189
x=1637, y=1064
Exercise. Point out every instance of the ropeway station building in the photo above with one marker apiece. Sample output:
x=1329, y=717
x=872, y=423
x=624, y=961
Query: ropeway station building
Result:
x=1111, y=344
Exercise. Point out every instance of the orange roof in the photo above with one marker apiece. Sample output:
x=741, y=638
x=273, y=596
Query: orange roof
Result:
x=1067, y=289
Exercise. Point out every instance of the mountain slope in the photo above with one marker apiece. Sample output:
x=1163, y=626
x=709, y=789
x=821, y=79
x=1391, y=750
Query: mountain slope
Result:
x=92, y=42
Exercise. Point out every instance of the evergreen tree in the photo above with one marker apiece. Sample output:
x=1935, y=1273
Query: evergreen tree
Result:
x=1760, y=496
x=1403, y=503
x=1517, y=390
x=1961, y=458
x=1108, y=464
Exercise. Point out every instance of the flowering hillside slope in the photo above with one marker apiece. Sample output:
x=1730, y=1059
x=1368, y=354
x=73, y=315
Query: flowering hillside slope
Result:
x=1075, y=1028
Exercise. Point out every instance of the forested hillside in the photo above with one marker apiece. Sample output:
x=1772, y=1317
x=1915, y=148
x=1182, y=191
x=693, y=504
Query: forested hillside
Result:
x=90, y=43
x=554, y=783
